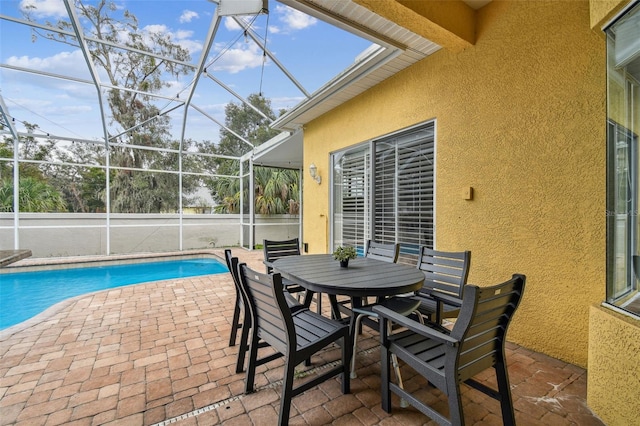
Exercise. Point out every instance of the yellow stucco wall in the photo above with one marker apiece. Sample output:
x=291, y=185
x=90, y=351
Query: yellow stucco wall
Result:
x=520, y=118
x=614, y=367
x=602, y=11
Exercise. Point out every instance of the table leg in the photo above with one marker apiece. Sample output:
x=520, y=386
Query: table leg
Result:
x=308, y=297
x=335, y=309
x=356, y=302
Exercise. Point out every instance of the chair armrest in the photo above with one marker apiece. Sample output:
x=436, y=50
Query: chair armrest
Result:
x=415, y=326
x=447, y=299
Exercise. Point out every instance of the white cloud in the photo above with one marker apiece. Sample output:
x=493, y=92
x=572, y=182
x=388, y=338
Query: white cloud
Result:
x=156, y=29
x=173, y=88
x=63, y=63
x=181, y=37
x=188, y=16
x=237, y=59
x=183, y=34
x=231, y=25
x=44, y=8
x=292, y=19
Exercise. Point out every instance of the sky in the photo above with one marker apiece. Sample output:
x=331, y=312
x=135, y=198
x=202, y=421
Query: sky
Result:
x=311, y=50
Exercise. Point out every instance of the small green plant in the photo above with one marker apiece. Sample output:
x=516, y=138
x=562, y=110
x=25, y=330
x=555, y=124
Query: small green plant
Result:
x=345, y=253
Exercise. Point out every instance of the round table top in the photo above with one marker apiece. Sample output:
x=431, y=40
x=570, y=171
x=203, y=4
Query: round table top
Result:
x=364, y=277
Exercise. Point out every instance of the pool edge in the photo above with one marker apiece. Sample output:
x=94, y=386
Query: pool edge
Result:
x=66, y=263
x=35, y=264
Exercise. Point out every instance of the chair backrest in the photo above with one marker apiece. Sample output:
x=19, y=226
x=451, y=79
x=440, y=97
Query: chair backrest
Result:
x=444, y=271
x=274, y=250
x=232, y=265
x=482, y=325
x=384, y=252
x=268, y=307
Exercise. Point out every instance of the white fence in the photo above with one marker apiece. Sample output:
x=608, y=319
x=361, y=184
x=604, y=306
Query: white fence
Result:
x=82, y=234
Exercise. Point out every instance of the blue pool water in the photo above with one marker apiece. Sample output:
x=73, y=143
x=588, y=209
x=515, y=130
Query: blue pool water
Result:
x=26, y=294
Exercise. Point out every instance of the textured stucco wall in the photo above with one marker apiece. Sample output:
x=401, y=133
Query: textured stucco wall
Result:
x=520, y=118
x=614, y=367
x=602, y=11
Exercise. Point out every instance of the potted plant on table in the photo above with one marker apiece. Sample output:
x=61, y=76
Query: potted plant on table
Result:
x=343, y=254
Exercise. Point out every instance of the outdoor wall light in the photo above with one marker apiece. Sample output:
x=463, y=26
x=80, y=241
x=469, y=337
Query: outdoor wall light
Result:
x=313, y=171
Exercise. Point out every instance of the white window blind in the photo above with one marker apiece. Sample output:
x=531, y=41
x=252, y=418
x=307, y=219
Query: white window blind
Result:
x=404, y=189
x=351, y=198
x=390, y=201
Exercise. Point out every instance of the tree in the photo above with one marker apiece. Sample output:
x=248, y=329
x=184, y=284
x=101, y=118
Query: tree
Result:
x=133, y=191
x=83, y=187
x=276, y=191
x=6, y=151
x=35, y=191
x=34, y=196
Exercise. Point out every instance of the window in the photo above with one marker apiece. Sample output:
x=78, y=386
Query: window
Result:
x=623, y=193
x=351, y=187
x=384, y=190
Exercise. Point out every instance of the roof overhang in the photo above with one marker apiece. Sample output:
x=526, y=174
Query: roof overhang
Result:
x=395, y=26
x=283, y=151
x=395, y=47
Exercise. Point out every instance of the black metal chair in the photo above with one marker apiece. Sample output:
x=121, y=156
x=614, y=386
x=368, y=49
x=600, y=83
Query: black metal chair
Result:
x=239, y=305
x=297, y=336
x=446, y=275
x=386, y=253
x=245, y=326
x=274, y=250
x=446, y=360
x=400, y=305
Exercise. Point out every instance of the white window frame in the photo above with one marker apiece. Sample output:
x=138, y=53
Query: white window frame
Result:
x=623, y=165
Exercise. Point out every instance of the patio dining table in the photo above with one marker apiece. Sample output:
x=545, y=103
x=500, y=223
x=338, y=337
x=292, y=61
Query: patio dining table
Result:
x=364, y=277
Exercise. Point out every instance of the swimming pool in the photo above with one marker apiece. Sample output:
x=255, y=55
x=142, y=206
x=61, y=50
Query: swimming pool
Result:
x=26, y=294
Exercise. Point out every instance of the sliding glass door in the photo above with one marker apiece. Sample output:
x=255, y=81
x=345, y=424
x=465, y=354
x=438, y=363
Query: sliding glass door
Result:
x=384, y=190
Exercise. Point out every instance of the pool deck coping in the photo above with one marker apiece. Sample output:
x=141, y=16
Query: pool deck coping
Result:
x=35, y=264
x=8, y=257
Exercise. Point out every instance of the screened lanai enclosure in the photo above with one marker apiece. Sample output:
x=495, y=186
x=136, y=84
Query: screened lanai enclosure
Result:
x=145, y=126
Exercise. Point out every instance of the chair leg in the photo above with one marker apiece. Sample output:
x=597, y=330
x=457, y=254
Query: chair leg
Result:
x=419, y=316
x=244, y=345
x=396, y=368
x=506, y=403
x=347, y=354
x=287, y=393
x=235, y=324
x=354, y=327
x=455, y=403
x=251, y=367
x=385, y=376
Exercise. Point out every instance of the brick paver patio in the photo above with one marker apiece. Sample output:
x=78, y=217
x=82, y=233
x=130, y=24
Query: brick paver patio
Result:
x=158, y=353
